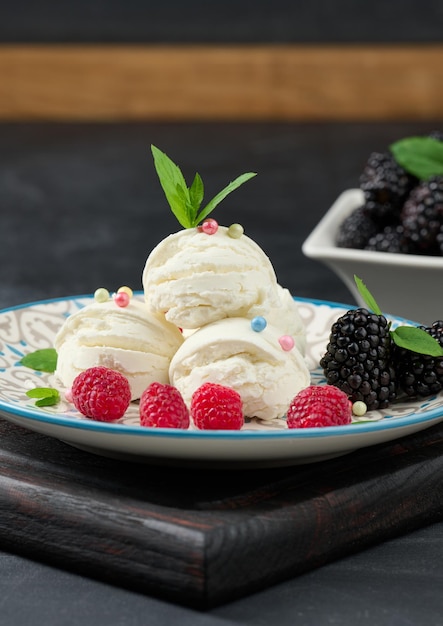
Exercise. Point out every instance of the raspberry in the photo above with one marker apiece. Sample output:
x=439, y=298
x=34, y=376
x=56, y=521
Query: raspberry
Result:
x=319, y=405
x=162, y=406
x=101, y=393
x=216, y=407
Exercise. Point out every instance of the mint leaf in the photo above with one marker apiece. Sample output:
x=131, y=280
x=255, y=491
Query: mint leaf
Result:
x=411, y=338
x=173, y=185
x=367, y=296
x=197, y=191
x=420, y=156
x=46, y=396
x=44, y=360
x=417, y=340
x=222, y=194
x=185, y=202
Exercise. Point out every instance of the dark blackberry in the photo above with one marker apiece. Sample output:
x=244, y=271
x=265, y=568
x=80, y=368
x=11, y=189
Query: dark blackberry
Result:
x=440, y=240
x=420, y=375
x=422, y=216
x=381, y=214
x=436, y=134
x=390, y=239
x=355, y=230
x=386, y=185
x=358, y=358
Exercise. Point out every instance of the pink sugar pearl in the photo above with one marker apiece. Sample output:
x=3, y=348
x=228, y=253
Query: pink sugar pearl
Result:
x=209, y=226
x=121, y=299
x=286, y=342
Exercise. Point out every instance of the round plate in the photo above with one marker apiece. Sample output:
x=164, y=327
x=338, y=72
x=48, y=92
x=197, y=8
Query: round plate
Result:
x=30, y=327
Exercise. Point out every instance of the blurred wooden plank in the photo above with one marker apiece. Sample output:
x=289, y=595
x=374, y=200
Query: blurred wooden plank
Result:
x=207, y=82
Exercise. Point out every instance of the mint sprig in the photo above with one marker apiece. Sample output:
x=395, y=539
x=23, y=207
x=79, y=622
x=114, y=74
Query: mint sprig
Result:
x=45, y=396
x=420, y=156
x=367, y=296
x=44, y=360
x=185, y=202
x=409, y=337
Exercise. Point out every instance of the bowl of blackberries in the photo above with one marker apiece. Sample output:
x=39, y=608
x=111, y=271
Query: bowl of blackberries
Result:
x=389, y=229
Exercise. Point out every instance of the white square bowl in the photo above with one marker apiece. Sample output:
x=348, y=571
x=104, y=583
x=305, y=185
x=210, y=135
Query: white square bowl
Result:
x=404, y=285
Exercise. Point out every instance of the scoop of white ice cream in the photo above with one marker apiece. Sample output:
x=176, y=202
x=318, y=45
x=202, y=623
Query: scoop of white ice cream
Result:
x=129, y=339
x=195, y=278
x=230, y=353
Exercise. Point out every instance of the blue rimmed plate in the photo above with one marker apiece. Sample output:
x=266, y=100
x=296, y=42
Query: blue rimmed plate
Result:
x=30, y=327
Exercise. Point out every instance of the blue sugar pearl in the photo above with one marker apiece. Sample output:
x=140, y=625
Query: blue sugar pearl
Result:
x=258, y=323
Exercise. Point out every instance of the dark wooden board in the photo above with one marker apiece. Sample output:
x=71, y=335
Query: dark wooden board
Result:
x=202, y=538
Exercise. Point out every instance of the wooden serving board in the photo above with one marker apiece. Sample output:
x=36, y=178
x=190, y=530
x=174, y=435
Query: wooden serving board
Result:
x=202, y=538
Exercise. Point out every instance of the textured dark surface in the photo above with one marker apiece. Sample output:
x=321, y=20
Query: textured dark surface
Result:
x=239, y=21
x=205, y=543
x=80, y=207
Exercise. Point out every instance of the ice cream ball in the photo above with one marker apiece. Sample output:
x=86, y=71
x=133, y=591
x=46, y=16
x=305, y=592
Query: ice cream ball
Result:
x=130, y=339
x=229, y=352
x=194, y=278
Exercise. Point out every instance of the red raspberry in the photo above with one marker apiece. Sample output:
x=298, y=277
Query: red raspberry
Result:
x=319, y=405
x=162, y=406
x=215, y=407
x=101, y=393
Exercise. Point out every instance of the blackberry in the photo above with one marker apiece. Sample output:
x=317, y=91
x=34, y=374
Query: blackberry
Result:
x=381, y=214
x=358, y=358
x=386, y=185
x=356, y=230
x=422, y=216
x=436, y=134
x=390, y=239
x=440, y=240
x=420, y=375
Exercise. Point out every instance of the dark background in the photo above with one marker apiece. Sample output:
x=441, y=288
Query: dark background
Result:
x=81, y=204
x=229, y=21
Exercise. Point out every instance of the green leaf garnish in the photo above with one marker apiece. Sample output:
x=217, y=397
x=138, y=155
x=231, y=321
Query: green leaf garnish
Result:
x=367, y=296
x=197, y=191
x=222, y=194
x=44, y=360
x=420, y=156
x=417, y=340
x=408, y=337
x=46, y=396
x=185, y=201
